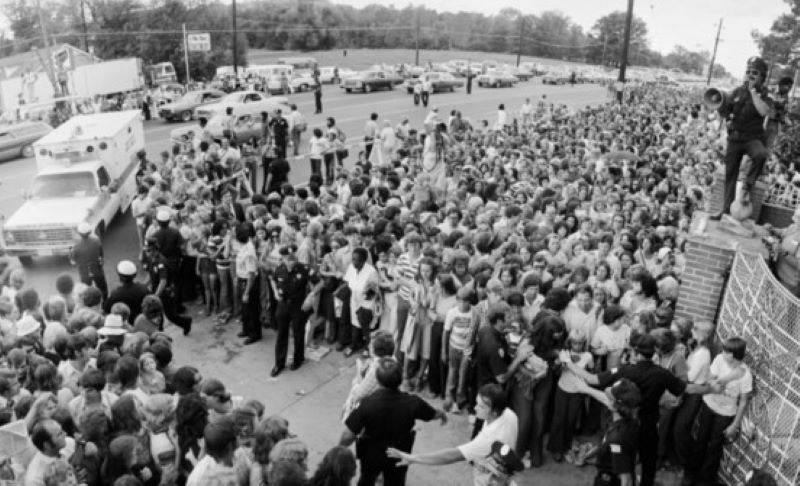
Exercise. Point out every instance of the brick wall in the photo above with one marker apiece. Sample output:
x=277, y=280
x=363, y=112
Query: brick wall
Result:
x=703, y=279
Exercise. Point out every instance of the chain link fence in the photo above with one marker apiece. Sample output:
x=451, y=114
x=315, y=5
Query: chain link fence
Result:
x=759, y=309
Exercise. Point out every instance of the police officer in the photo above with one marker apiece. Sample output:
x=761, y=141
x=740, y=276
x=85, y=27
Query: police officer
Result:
x=291, y=282
x=87, y=255
x=158, y=269
x=129, y=292
x=652, y=380
x=170, y=245
x=616, y=456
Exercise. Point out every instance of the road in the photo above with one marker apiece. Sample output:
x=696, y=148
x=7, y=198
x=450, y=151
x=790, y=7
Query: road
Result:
x=310, y=398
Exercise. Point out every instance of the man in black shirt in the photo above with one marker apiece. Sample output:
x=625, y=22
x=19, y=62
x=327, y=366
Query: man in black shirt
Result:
x=277, y=175
x=87, y=255
x=744, y=111
x=386, y=419
x=280, y=133
x=157, y=267
x=652, y=381
x=129, y=292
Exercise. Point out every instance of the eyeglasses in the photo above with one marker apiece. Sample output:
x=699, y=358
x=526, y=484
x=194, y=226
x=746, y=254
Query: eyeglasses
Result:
x=752, y=72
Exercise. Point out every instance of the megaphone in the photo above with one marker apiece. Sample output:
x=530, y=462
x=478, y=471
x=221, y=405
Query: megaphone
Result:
x=713, y=98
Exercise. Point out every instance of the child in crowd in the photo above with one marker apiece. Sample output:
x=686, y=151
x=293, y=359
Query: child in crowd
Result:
x=460, y=326
x=611, y=339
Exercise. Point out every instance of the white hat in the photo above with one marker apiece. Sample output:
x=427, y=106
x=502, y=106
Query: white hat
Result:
x=127, y=268
x=664, y=252
x=163, y=215
x=27, y=325
x=112, y=326
x=84, y=228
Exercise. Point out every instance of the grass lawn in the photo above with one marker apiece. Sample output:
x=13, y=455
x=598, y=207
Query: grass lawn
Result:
x=364, y=58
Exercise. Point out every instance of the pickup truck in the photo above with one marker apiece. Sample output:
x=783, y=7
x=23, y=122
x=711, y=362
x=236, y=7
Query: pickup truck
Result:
x=86, y=172
x=368, y=81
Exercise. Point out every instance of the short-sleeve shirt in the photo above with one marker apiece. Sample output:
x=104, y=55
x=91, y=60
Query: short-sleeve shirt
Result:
x=617, y=452
x=651, y=379
x=279, y=169
x=246, y=261
x=492, y=355
x=503, y=429
x=726, y=403
x=370, y=420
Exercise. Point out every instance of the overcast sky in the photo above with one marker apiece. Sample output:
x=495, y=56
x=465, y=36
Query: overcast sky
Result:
x=690, y=23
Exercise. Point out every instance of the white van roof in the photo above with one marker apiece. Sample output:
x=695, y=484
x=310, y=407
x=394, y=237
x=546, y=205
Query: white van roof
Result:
x=90, y=127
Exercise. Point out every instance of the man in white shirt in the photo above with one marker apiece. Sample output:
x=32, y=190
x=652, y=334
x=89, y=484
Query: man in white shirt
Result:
x=297, y=125
x=526, y=112
x=216, y=467
x=49, y=439
x=371, y=131
x=500, y=424
x=581, y=313
x=427, y=89
x=361, y=277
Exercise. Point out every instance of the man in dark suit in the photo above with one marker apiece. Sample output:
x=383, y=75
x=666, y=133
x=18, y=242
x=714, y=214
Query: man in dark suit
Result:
x=229, y=201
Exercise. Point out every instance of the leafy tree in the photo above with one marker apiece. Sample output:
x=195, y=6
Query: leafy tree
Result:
x=609, y=33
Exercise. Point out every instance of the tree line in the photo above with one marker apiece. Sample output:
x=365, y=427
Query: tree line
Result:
x=151, y=30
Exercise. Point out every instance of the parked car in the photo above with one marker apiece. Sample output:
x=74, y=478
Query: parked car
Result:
x=247, y=97
x=301, y=81
x=16, y=140
x=440, y=82
x=496, y=79
x=183, y=108
x=247, y=116
x=367, y=81
x=555, y=78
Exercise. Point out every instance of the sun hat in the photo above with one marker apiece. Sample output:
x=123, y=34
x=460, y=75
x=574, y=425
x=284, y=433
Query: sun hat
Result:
x=112, y=326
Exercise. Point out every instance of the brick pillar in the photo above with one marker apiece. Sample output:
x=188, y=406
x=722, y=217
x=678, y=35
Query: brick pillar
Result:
x=709, y=257
x=717, y=194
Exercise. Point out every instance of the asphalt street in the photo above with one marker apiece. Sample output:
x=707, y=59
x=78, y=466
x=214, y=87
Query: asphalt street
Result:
x=311, y=398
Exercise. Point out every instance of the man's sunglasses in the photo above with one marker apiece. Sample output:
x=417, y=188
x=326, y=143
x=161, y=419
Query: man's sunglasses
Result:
x=753, y=72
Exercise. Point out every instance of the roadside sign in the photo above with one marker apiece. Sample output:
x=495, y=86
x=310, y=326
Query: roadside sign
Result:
x=199, y=42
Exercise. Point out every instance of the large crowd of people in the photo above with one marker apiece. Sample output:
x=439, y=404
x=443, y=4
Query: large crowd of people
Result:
x=521, y=271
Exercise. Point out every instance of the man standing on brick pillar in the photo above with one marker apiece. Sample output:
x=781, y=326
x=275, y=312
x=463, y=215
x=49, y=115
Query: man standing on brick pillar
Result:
x=743, y=111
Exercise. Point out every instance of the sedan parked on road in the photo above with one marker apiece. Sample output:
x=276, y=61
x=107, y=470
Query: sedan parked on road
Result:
x=496, y=79
x=16, y=140
x=183, y=108
x=367, y=81
x=439, y=81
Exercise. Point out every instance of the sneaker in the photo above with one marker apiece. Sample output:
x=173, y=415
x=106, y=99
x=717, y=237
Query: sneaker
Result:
x=455, y=410
x=448, y=404
x=471, y=419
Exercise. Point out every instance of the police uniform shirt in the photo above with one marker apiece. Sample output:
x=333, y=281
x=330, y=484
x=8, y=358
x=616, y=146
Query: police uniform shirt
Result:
x=492, y=355
x=170, y=242
x=87, y=252
x=131, y=295
x=651, y=379
x=617, y=452
x=156, y=267
x=741, y=113
x=293, y=284
x=369, y=421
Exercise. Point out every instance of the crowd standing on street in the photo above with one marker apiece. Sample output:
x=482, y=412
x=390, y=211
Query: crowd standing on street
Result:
x=522, y=271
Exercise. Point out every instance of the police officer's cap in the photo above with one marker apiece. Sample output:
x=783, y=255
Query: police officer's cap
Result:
x=506, y=458
x=126, y=268
x=163, y=215
x=84, y=228
x=288, y=250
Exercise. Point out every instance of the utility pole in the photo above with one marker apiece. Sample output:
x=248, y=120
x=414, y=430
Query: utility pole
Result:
x=623, y=59
x=521, y=32
x=186, y=57
x=83, y=23
x=714, y=54
x=416, y=42
x=235, y=49
x=47, y=59
x=605, y=43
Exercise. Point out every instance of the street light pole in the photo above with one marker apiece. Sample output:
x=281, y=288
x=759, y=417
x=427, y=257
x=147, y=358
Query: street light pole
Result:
x=623, y=60
x=83, y=22
x=416, y=42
